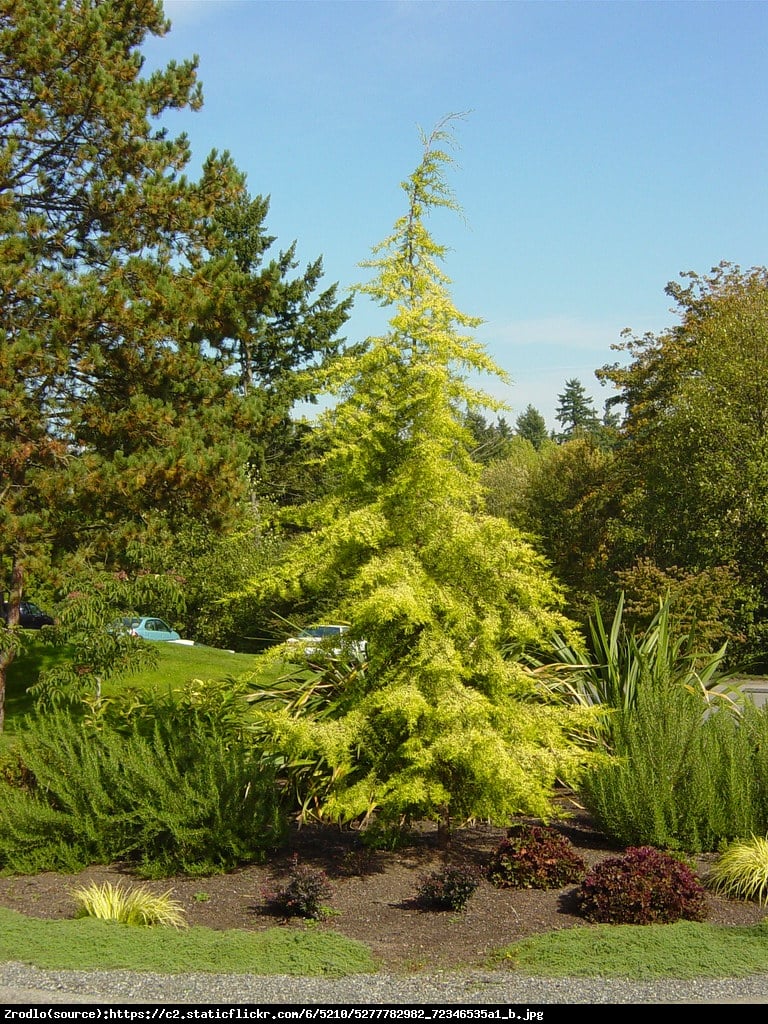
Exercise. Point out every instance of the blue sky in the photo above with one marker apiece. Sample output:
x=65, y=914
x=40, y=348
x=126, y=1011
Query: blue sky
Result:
x=607, y=147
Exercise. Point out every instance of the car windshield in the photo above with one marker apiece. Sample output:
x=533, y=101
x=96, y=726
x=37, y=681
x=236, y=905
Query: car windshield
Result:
x=321, y=632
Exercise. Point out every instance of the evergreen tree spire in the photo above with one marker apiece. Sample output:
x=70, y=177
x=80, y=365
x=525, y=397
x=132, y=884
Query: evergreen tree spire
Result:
x=446, y=595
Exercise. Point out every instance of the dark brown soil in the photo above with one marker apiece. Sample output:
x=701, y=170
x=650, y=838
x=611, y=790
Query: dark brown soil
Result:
x=373, y=897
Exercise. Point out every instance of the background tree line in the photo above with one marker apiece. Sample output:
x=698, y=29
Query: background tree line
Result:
x=153, y=346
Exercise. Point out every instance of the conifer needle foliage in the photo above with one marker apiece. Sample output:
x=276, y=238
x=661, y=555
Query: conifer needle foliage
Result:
x=444, y=725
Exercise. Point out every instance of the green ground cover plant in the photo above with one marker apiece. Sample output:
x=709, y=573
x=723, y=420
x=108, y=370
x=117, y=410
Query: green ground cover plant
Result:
x=685, y=949
x=90, y=944
x=682, y=950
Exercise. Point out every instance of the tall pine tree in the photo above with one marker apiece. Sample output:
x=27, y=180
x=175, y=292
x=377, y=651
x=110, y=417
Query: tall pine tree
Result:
x=116, y=409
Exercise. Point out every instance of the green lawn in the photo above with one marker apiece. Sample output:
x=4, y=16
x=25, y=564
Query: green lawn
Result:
x=177, y=664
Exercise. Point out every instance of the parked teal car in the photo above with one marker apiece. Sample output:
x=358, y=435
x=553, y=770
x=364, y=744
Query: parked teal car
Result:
x=148, y=627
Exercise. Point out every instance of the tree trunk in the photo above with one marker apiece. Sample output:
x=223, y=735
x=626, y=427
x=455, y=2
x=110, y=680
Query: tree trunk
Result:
x=444, y=833
x=12, y=619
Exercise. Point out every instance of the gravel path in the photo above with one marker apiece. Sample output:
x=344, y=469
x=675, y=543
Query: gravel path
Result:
x=28, y=985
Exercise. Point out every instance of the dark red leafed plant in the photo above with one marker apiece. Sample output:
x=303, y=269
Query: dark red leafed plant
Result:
x=535, y=857
x=644, y=886
x=303, y=895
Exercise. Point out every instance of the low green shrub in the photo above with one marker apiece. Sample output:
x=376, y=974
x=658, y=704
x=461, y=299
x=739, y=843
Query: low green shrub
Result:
x=179, y=794
x=686, y=773
x=741, y=870
x=643, y=886
x=535, y=857
x=449, y=888
x=303, y=895
x=687, y=764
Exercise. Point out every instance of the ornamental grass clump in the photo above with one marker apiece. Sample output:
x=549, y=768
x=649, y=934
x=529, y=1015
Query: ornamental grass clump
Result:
x=449, y=888
x=644, y=886
x=741, y=870
x=535, y=857
x=136, y=906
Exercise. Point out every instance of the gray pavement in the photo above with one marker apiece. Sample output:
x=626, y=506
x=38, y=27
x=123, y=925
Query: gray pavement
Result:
x=22, y=985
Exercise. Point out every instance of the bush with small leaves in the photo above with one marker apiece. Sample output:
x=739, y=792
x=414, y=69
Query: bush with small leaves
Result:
x=303, y=895
x=448, y=889
x=644, y=886
x=741, y=870
x=535, y=857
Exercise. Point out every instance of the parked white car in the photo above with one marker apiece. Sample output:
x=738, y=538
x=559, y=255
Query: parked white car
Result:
x=330, y=637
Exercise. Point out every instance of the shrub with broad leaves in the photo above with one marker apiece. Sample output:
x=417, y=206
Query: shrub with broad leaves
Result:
x=535, y=857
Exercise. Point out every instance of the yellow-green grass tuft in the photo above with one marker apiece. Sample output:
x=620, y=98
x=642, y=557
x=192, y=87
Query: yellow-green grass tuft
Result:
x=136, y=906
x=741, y=870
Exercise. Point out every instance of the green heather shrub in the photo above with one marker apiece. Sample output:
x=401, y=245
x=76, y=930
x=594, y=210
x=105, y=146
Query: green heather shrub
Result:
x=741, y=870
x=686, y=773
x=643, y=886
x=449, y=888
x=303, y=895
x=535, y=857
x=132, y=906
x=181, y=796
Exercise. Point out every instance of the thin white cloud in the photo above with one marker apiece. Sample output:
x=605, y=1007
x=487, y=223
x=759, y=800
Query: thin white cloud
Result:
x=541, y=354
x=566, y=333
x=190, y=12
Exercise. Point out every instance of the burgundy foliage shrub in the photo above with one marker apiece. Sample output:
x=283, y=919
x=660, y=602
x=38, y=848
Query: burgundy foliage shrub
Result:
x=535, y=857
x=644, y=886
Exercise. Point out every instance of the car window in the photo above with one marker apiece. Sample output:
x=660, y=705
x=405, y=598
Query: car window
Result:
x=321, y=632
